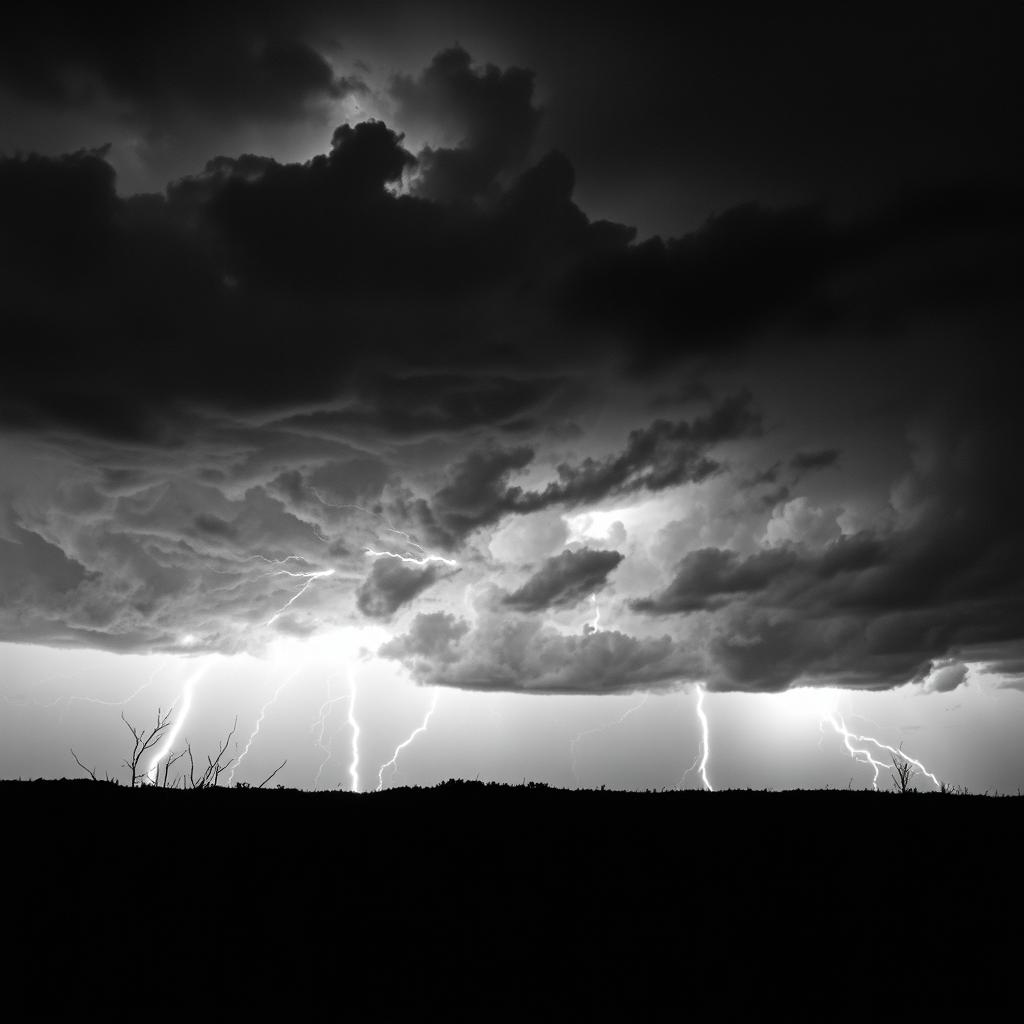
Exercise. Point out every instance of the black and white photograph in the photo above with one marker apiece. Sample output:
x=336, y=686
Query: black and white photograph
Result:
x=511, y=510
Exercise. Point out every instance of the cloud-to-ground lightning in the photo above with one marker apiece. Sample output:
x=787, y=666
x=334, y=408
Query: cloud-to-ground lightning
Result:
x=864, y=756
x=421, y=728
x=309, y=577
x=181, y=714
x=259, y=721
x=576, y=740
x=704, y=751
x=353, y=766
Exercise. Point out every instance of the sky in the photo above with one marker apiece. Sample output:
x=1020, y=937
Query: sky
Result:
x=525, y=383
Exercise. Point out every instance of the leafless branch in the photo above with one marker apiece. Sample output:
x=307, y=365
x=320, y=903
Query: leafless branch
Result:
x=903, y=773
x=171, y=759
x=215, y=766
x=144, y=741
x=89, y=771
x=272, y=774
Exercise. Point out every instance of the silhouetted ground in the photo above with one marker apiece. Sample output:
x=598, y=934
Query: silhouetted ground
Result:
x=483, y=902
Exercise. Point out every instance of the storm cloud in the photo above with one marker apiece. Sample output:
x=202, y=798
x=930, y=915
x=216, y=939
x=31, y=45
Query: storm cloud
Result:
x=266, y=398
x=391, y=584
x=565, y=579
x=521, y=654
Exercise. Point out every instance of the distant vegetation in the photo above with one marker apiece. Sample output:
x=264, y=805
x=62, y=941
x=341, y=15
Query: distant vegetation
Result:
x=171, y=773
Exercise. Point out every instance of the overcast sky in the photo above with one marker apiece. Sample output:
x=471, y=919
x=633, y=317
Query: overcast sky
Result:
x=534, y=370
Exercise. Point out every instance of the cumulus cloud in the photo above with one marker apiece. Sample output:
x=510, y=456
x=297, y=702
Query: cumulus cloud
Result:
x=879, y=608
x=945, y=677
x=798, y=521
x=565, y=580
x=521, y=654
x=529, y=538
x=487, y=112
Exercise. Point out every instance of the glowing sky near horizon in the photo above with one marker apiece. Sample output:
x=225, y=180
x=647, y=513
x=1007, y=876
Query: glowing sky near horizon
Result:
x=54, y=700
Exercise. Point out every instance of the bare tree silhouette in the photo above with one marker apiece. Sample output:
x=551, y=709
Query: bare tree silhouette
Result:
x=144, y=741
x=903, y=773
x=91, y=772
x=198, y=776
x=209, y=775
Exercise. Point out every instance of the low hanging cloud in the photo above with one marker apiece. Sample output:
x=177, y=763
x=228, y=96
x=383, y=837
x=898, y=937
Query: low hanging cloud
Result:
x=909, y=600
x=521, y=654
x=564, y=580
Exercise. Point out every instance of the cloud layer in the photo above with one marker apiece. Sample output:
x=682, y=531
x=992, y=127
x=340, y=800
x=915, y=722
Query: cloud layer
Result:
x=275, y=396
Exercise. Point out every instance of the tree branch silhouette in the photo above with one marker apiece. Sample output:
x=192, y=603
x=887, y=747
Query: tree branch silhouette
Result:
x=903, y=773
x=144, y=741
x=89, y=771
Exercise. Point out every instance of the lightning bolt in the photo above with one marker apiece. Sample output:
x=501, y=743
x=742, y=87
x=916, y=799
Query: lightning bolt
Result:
x=353, y=767
x=259, y=721
x=704, y=751
x=575, y=742
x=68, y=700
x=864, y=756
x=393, y=763
x=425, y=560
x=320, y=722
x=172, y=734
x=596, y=624
x=309, y=577
x=389, y=528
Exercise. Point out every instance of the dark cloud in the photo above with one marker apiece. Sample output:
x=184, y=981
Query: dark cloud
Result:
x=425, y=405
x=164, y=67
x=215, y=395
x=711, y=577
x=519, y=653
x=654, y=458
x=879, y=607
x=430, y=641
x=489, y=113
x=752, y=270
x=565, y=580
x=473, y=497
x=392, y=583
x=313, y=291
x=804, y=462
